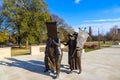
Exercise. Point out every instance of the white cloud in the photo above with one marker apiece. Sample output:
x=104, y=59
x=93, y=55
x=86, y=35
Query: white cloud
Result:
x=104, y=27
x=103, y=20
x=77, y=1
x=112, y=10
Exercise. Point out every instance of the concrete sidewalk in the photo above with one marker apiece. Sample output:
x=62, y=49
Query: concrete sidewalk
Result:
x=102, y=64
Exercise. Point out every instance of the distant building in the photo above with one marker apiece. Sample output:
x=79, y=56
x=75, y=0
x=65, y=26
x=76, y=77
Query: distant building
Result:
x=118, y=31
x=90, y=31
x=118, y=34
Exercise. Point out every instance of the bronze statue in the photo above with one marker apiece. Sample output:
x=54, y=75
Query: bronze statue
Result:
x=79, y=41
x=49, y=56
x=53, y=60
x=47, y=52
x=74, y=53
x=58, y=55
x=76, y=56
x=70, y=44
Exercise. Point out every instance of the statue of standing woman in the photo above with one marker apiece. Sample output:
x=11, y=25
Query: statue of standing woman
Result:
x=70, y=44
x=74, y=53
x=79, y=41
x=55, y=52
x=76, y=56
x=58, y=55
x=49, y=55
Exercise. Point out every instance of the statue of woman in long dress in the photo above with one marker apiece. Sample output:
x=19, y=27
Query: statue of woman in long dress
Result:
x=70, y=44
x=49, y=56
x=58, y=55
x=76, y=55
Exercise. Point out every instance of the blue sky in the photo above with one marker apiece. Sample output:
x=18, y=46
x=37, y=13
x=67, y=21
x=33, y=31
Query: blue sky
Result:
x=0, y=2
x=101, y=14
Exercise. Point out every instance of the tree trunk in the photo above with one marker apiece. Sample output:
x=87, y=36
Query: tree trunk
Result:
x=26, y=43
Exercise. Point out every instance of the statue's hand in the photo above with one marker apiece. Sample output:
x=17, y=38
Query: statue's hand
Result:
x=78, y=48
x=64, y=43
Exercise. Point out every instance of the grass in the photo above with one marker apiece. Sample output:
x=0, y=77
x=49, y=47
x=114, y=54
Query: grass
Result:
x=26, y=51
x=88, y=50
x=107, y=43
x=102, y=45
x=20, y=51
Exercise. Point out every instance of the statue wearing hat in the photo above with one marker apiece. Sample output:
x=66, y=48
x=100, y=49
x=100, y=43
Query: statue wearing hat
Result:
x=54, y=51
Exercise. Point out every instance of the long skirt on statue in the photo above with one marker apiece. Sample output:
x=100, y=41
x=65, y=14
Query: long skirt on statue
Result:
x=75, y=62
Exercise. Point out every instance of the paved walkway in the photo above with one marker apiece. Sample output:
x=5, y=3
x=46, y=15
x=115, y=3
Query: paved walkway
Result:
x=103, y=64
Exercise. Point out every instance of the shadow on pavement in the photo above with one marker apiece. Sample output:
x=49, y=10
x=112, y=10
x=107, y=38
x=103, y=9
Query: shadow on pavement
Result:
x=33, y=66
x=30, y=65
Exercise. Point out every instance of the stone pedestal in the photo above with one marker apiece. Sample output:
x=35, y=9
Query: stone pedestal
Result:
x=5, y=52
x=34, y=50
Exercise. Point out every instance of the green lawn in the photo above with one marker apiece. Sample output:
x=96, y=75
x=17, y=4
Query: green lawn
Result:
x=88, y=50
x=102, y=45
x=107, y=43
x=20, y=51
x=26, y=51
